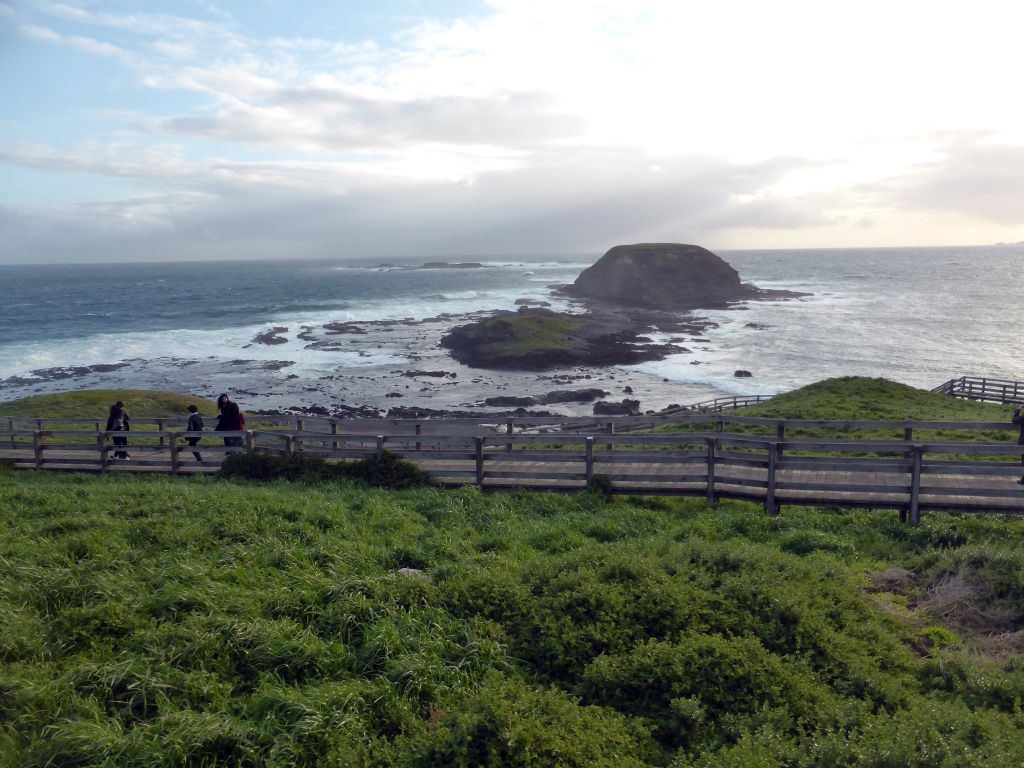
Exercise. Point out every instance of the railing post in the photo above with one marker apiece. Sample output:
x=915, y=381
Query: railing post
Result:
x=479, y=451
x=38, y=448
x=174, y=454
x=250, y=442
x=289, y=445
x=769, y=494
x=380, y=447
x=780, y=435
x=509, y=430
x=712, y=449
x=590, y=459
x=610, y=429
x=419, y=431
x=908, y=436
x=334, y=431
x=915, y=487
x=300, y=425
x=160, y=428
x=101, y=442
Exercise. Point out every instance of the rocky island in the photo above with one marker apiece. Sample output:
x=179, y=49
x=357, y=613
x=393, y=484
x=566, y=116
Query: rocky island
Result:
x=630, y=291
x=669, y=276
x=535, y=339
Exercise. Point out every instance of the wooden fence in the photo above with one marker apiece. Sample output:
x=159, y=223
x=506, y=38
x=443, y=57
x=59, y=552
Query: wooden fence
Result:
x=980, y=388
x=790, y=461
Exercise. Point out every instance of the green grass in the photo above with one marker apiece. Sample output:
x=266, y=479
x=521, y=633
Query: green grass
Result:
x=858, y=398
x=530, y=334
x=160, y=622
x=95, y=404
x=855, y=398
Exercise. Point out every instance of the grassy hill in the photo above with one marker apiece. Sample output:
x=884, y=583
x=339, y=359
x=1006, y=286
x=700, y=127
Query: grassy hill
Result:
x=95, y=403
x=856, y=398
x=866, y=399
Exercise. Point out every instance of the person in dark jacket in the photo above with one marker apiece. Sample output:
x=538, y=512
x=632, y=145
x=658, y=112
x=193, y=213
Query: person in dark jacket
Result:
x=231, y=419
x=1018, y=419
x=195, y=424
x=117, y=421
x=222, y=419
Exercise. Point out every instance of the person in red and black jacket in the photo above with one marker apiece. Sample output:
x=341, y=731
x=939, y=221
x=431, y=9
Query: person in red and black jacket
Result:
x=231, y=419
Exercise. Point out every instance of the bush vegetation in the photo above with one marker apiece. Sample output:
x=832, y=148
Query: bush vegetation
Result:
x=155, y=621
x=386, y=471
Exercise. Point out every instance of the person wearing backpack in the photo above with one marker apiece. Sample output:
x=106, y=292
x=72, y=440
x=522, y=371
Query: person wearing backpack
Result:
x=195, y=424
x=117, y=421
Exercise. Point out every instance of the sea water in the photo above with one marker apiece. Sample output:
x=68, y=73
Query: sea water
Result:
x=915, y=315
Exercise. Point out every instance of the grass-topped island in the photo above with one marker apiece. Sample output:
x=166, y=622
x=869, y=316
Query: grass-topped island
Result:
x=148, y=621
x=534, y=338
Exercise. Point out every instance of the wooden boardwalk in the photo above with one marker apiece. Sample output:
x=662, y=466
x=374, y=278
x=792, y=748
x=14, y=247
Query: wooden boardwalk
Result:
x=908, y=475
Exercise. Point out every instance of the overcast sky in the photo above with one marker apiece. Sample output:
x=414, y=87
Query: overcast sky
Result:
x=204, y=129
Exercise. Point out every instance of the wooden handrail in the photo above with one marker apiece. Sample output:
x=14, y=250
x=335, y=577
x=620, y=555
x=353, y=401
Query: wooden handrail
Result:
x=983, y=389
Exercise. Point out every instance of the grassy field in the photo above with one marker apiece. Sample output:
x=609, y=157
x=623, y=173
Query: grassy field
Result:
x=151, y=621
x=95, y=404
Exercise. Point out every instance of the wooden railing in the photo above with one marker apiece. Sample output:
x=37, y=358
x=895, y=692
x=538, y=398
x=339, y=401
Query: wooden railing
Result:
x=911, y=474
x=980, y=388
x=719, y=404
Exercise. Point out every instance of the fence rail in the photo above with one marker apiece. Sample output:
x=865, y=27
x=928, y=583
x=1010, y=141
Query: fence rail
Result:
x=985, y=389
x=912, y=471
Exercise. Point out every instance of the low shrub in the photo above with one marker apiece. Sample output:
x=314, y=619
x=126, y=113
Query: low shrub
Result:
x=601, y=486
x=386, y=471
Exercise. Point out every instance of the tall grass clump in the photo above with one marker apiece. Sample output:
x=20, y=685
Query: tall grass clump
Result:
x=385, y=471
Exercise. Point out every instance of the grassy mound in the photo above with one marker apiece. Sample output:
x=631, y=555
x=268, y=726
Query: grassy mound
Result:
x=159, y=622
x=857, y=398
x=864, y=399
x=95, y=403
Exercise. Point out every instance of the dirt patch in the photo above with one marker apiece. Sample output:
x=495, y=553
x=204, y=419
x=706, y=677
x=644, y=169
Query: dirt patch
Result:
x=899, y=581
x=961, y=601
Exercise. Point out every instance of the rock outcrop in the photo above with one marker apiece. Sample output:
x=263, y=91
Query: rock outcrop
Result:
x=662, y=276
x=534, y=339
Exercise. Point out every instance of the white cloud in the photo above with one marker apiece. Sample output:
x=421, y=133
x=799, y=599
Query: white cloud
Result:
x=78, y=42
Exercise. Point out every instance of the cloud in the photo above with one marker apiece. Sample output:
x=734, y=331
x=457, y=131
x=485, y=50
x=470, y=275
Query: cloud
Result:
x=84, y=44
x=975, y=177
x=534, y=126
x=583, y=200
x=336, y=120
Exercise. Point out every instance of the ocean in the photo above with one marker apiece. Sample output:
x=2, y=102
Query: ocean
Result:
x=914, y=315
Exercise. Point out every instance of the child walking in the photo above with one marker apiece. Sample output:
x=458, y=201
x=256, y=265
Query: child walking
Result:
x=195, y=424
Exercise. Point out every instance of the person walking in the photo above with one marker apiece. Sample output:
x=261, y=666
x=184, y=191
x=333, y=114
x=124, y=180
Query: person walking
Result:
x=1018, y=419
x=195, y=424
x=231, y=419
x=222, y=419
x=234, y=422
x=117, y=421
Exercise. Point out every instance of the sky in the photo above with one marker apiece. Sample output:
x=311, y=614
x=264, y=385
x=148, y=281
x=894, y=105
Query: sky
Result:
x=216, y=129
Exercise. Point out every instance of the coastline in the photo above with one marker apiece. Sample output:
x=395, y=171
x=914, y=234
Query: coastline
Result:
x=193, y=328
x=423, y=375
